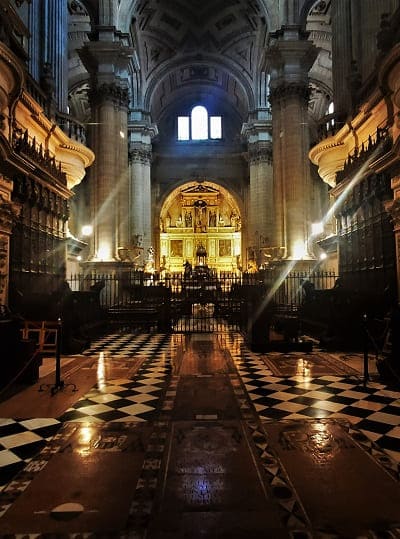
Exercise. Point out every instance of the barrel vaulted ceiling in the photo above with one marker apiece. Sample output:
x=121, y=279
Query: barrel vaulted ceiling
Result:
x=197, y=48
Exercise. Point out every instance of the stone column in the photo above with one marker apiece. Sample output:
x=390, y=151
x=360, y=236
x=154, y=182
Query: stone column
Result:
x=109, y=179
x=140, y=155
x=290, y=58
x=109, y=184
x=260, y=211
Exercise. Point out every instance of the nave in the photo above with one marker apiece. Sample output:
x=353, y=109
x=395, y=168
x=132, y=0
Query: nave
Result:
x=162, y=436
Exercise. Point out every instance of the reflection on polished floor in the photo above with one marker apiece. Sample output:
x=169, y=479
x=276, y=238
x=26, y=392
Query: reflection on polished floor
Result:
x=174, y=436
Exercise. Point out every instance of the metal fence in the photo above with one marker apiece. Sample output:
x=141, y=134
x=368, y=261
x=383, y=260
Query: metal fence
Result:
x=120, y=288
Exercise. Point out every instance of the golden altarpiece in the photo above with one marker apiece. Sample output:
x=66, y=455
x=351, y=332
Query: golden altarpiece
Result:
x=200, y=217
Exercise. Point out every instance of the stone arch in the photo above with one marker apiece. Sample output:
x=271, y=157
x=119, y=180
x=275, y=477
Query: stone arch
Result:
x=244, y=88
x=200, y=212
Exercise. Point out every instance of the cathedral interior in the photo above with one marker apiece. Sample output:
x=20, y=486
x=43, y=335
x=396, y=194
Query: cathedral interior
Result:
x=200, y=269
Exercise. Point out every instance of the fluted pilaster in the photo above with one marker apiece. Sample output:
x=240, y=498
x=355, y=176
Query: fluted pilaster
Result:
x=55, y=31
x=33, y=22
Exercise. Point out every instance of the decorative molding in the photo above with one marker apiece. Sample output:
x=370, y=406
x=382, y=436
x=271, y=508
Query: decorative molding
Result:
x=144, y=129
x=39, y=156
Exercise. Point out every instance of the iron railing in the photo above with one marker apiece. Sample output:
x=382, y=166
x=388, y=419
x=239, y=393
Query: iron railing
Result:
x=124, y=287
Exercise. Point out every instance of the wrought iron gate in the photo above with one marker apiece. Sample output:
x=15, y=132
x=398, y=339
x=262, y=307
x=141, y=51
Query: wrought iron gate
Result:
x=203, y=303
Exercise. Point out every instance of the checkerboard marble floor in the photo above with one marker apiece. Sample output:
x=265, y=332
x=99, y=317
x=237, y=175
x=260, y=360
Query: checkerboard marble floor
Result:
x=372, y=408
x=115, y=400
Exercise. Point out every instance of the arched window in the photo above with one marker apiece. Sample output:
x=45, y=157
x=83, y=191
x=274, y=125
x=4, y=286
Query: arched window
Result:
x=199, y=125
x=331, y=121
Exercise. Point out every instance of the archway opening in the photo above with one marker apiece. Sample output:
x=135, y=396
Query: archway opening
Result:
x=200, y=224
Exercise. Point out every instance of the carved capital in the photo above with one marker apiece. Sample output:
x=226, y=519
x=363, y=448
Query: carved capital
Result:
x=141, y=153
x=260, y=152
x=111, y=92
x=289, y=90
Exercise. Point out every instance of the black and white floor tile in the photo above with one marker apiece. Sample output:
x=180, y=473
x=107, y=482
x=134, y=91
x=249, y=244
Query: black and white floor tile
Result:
x=20, y=441
x=124, y=399
x=372, y=407
x=115, y=400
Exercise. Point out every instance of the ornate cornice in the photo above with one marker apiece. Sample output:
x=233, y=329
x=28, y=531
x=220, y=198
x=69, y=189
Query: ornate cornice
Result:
x=32, y=105
x=257, y=128
x=38, y=156
x=143, y=128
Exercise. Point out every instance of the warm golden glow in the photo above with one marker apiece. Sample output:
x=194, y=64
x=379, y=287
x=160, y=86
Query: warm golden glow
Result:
x=85, y=436
x=101, y=372
x=303, y=368
x=87, y=230
x=299, y=250
x=104, y=252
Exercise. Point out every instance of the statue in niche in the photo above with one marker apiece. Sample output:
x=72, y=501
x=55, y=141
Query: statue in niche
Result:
x=200, y=215
x=188, y=219
x=213, y=219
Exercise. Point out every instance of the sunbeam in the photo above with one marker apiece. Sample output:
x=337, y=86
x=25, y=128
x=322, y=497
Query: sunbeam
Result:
x=332, y=210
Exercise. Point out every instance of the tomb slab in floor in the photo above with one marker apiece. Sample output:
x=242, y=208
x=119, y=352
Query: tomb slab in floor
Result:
x=86, y=485
x=213, y=486
x=343, y=489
